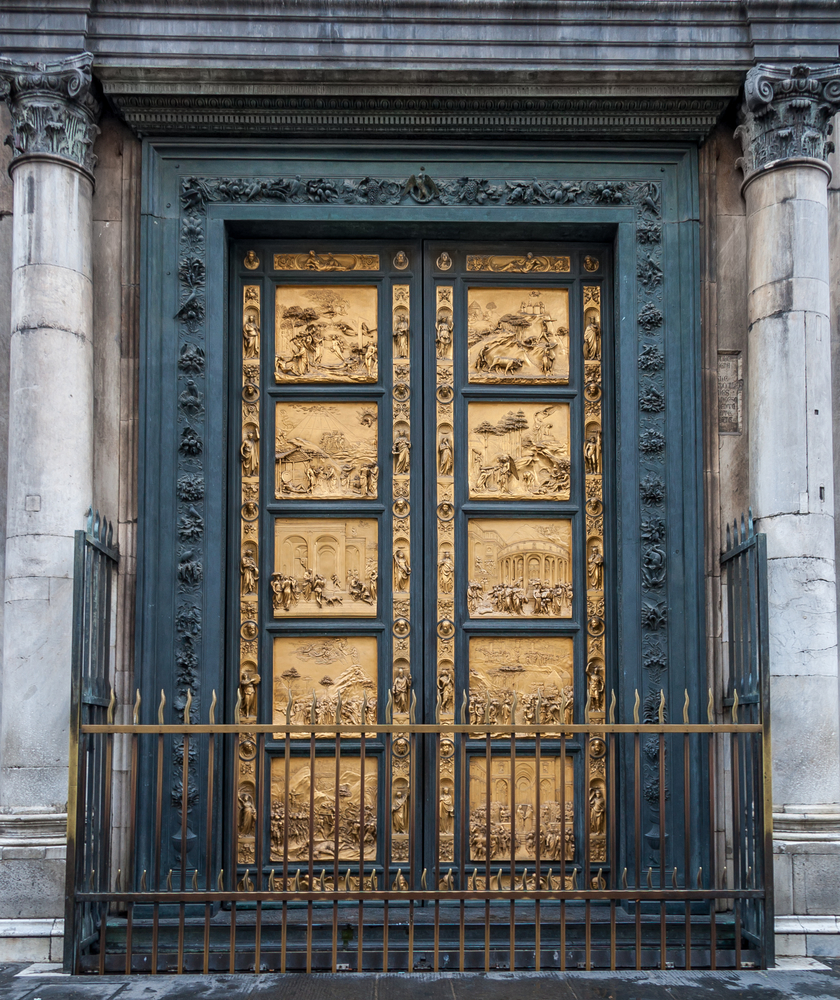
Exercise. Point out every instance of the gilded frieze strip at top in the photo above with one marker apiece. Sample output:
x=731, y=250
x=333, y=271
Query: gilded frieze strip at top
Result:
x=528, y=263
x=312, y=261
x=595, y=611
x=249, y=675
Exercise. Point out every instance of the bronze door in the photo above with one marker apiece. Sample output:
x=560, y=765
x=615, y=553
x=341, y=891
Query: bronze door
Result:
x=421, y=537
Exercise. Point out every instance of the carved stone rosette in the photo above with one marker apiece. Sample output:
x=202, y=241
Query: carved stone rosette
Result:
x=595, y=558
x=787, y=114
x=249, y=672
x=52, y=108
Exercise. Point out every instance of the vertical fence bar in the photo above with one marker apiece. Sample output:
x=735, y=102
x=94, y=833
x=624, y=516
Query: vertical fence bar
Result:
x=412, y=816
x=208, y=856
x=360, y=955
x=766, y=816
x=260, y=832
x=537, y=851
x=75, y=799
x=487, y=842
x=637, y=829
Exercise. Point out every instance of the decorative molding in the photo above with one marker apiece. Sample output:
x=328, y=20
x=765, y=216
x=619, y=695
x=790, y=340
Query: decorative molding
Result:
x=53, y=109
x=786, y=114
x=160, y=113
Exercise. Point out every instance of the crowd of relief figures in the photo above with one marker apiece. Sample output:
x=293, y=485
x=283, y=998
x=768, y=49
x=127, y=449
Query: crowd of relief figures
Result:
x=326, y=333
x=325, y=566
x=519, y=568
x=526, y=679
x=514, y=335
x=513, y=831
x=517, y=454
x=326, y=450
x=335, y=806
x=335, y=677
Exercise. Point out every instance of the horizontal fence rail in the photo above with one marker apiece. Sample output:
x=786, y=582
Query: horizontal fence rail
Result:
x=317, y=887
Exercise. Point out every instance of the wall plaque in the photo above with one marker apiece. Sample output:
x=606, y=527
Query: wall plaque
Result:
x=730, y=392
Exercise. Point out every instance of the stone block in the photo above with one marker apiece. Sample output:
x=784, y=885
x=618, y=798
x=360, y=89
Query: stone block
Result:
x=791, y=945
x=816, y=879
x=732, y=283
x=783, y=883
x=823, y=945
x=805, y=728
x=32, y=888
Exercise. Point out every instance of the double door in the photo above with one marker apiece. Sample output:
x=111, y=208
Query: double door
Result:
x=421, y=515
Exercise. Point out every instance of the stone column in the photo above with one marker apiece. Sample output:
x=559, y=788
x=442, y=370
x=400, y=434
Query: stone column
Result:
x=50, y=481
x=784, y=135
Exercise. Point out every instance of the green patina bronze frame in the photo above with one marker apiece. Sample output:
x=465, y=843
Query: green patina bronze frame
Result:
x=198, y=197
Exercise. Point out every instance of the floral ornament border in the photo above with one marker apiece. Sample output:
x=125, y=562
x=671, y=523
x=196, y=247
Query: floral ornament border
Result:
x=645, y=197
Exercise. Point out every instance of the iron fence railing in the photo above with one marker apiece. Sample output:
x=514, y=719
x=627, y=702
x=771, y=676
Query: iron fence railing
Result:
x=481, y=912
x=320, y=886
x=96, y=559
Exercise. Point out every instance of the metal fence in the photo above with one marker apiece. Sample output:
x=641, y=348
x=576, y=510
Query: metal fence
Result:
x=96, y=559
x=480, y=901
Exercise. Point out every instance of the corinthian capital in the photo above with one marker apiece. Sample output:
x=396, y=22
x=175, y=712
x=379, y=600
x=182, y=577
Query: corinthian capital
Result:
x=787, y=113
x=52, y=107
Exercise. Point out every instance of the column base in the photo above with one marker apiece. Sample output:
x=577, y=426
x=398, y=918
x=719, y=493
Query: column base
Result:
x=33, y=851
x=806, y=860
x=38, y=940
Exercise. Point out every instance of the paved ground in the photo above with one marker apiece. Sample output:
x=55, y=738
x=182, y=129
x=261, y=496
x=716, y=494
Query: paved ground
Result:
x=42, y=983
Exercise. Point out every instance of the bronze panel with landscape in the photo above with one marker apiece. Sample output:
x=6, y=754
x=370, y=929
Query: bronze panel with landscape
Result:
x=334, y=675
x=528, y=676
x=326, y=333
x=326, y=450
x=519, y=451
x=518, y=335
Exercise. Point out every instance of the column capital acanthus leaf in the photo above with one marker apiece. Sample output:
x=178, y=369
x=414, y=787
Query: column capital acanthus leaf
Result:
x=786, y=114
x=53, y=108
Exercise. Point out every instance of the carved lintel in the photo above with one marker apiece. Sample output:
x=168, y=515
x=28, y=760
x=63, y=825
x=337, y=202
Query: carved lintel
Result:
x=52, y=107
x=786, y=114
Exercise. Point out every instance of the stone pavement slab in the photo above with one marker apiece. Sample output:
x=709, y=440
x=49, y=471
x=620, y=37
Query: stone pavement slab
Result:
x=776, y=984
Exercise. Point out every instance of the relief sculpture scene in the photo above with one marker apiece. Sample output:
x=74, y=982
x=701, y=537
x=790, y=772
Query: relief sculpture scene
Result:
x=529, y=677
x=519, y=452
x=519, y=568
x=518, y=335
x=517, y=833
x=334, y=806
x=325, y=567
x=334, y=675
x=326, y=333
x=326, y=450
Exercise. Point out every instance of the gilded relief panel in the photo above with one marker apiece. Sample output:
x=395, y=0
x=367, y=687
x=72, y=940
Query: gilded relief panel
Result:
x=529, y=677
x=518, y=335
x=326, y=333
x=519, y=452
x=293, y=824
x=513, y=817
x=401, y=524
x=336, y=675
x=519, y=568
x=249, y=496
x=444, y=491
x=325, y=567
x=312, y=261
x=326, y=451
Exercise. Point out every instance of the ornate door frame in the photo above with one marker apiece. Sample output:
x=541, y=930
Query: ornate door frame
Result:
x=643, y=200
